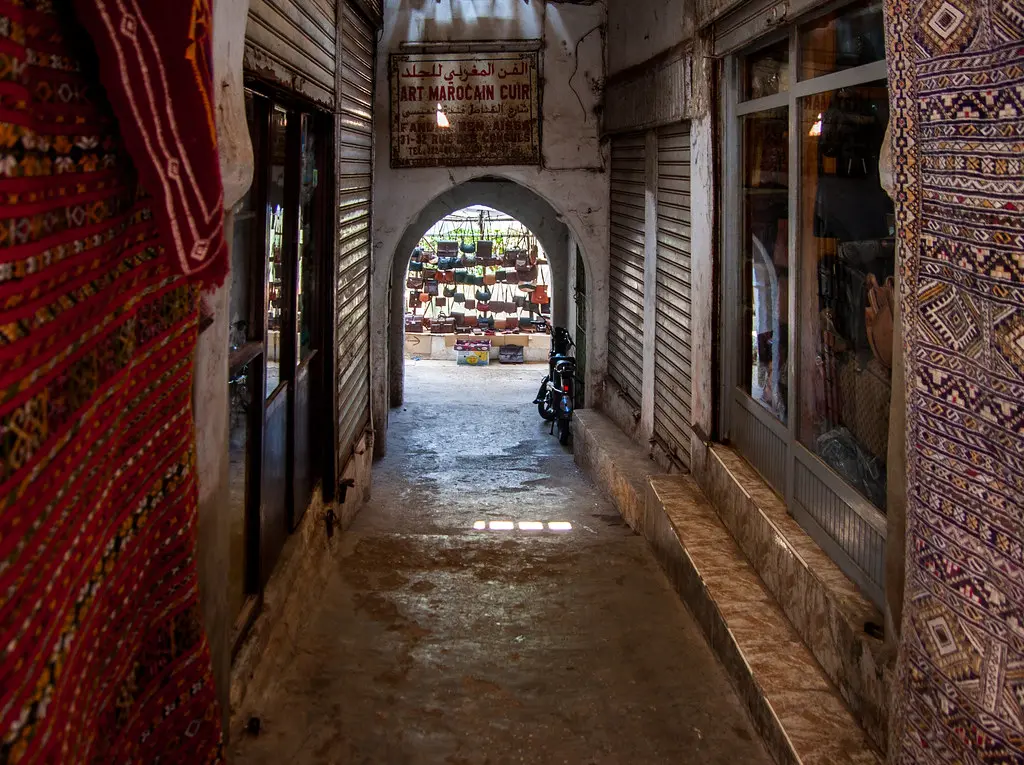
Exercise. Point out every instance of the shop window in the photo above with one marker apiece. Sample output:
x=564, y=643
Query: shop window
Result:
x=812, y=259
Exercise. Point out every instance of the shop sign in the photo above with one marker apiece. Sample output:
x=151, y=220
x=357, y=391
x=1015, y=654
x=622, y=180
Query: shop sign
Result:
x=458, y=109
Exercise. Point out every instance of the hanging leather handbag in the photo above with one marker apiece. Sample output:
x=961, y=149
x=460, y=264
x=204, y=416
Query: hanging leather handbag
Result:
x=458, y=317
x=460, y=275
x=522, y=264
x=449, y=291
x=440, y=300
x=520, y=301
x=447, y=247
x=470, y=305
x=414, y=283
x=540, y=294
x=467, y=248
x=429, y=271
x=468, y=260
x=483, y=295
x=511, y=276
x=415, y=265
x=490, y=279
x=527, y=287
x=432, y=288
x=417, y=254
x=458, y=297
x=447, y=263
x=414, y=299
x=485, y=252
x=529, y=273
x=501, y=324
x=485, y=322
x=482, y=307
x=511, y=256
x=499, y=276
x=446, y=277
x=512, y=322
x=424, y=297
x=545, y=308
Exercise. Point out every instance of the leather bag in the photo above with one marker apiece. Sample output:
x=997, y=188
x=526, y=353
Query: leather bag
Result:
x=458, y=297
x=470, y=305
x=424, y=297
x=449, y=291
x=415, y=265
x=483, y=295
x=432, y=288
x=540, y=295
x=490, y=279
x=414, y=283
x=446, y=277
x=414, y=299
x=440, y=300
x=413, y=323
x=482, y=306
x=447, y=247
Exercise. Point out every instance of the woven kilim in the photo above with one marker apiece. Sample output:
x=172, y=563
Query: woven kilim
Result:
x=956, y=73
x=102, y=655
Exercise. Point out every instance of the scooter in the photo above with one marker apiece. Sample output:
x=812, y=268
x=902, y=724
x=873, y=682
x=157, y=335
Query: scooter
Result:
x=556, y=398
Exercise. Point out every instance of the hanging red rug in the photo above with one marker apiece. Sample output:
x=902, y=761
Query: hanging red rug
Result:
x=102, y=654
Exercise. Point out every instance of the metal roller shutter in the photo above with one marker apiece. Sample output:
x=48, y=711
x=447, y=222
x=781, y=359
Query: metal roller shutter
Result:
x=354, y=123
x=672, y=364
x=294, y=43
x=626, y=273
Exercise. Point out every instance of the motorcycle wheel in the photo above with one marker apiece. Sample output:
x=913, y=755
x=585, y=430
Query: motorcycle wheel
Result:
x=563, y=430
x=546, y=409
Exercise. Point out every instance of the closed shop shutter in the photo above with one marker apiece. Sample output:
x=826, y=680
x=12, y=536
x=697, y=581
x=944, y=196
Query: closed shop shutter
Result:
x=672, y=363
x=355, y=174
x=626, y=273
x=294, y=43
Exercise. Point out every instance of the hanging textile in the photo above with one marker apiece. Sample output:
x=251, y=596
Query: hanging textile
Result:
x=957, y=96
x=102, y=654
x=156, y=66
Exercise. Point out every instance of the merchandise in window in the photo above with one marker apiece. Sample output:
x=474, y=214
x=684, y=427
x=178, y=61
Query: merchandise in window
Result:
x=846, y=302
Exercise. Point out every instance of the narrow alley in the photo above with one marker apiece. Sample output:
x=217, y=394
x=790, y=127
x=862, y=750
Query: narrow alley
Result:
x=434, y=642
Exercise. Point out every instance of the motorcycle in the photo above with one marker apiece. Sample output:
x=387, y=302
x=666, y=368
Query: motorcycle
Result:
x=556, y=398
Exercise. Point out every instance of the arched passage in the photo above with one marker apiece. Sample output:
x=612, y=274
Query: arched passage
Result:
x=508, y=197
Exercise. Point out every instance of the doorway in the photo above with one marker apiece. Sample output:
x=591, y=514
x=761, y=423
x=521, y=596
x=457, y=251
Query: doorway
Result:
x=279, y=339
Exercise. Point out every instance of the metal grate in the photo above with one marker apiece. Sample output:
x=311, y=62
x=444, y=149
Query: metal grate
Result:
x=355, y=175
x=762, y=447
x=851, y=540
x=626, y=273
x=673, y=357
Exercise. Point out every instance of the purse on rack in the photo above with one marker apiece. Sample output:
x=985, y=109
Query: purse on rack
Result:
x=467, y=248
x=485, y=250
x=440, y=300
x=468, y=260
x=527, y=287
x=470, y=305
x=417, y=254
x=424, y=297
x=414, y=283
x=483, y=306
x=458, y=297
x=414, y=299
x=499, y=276
x=415, y=265
x=458, y=317
x=540, y=294
x=446, y=277
x=431, y=288
x=520, y=301
x=447, y=247
x=483, y=295
x=460, y=275
x=447, y=263
x=500, y=325
x=449, y=291
x=429, y=271
x=512, y=256
x=490, y=279
x=512, y=323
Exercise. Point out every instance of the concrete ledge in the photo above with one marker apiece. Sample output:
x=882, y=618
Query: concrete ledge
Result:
x=822, y=604
x=797, y=711
x=614, y=462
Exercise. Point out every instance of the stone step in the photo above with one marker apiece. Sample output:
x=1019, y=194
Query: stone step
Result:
x=797, y=711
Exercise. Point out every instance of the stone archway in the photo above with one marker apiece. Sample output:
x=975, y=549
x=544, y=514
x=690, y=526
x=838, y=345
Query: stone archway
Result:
x=508, y=197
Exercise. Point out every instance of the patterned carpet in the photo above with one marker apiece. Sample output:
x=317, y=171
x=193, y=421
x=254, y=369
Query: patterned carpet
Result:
x=102, y=654
x=956, y=70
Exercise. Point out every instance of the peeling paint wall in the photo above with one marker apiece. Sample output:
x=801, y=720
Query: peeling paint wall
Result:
x=571, y=179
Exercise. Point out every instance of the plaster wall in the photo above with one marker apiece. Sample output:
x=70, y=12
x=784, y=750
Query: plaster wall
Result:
x=641, y=29
x=210, y=390
x=569, y=189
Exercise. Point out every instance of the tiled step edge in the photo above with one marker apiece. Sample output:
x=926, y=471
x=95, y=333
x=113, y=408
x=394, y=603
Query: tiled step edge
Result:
x=614, y=463
x=820, y=601
x=797, y=711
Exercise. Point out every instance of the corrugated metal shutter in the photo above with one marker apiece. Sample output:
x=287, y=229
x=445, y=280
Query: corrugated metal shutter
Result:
x=294, y=43
x=673, y=357
x=626, y=276
x=355, y=174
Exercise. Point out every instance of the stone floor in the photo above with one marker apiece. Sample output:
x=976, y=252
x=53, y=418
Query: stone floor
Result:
x=433, y=642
